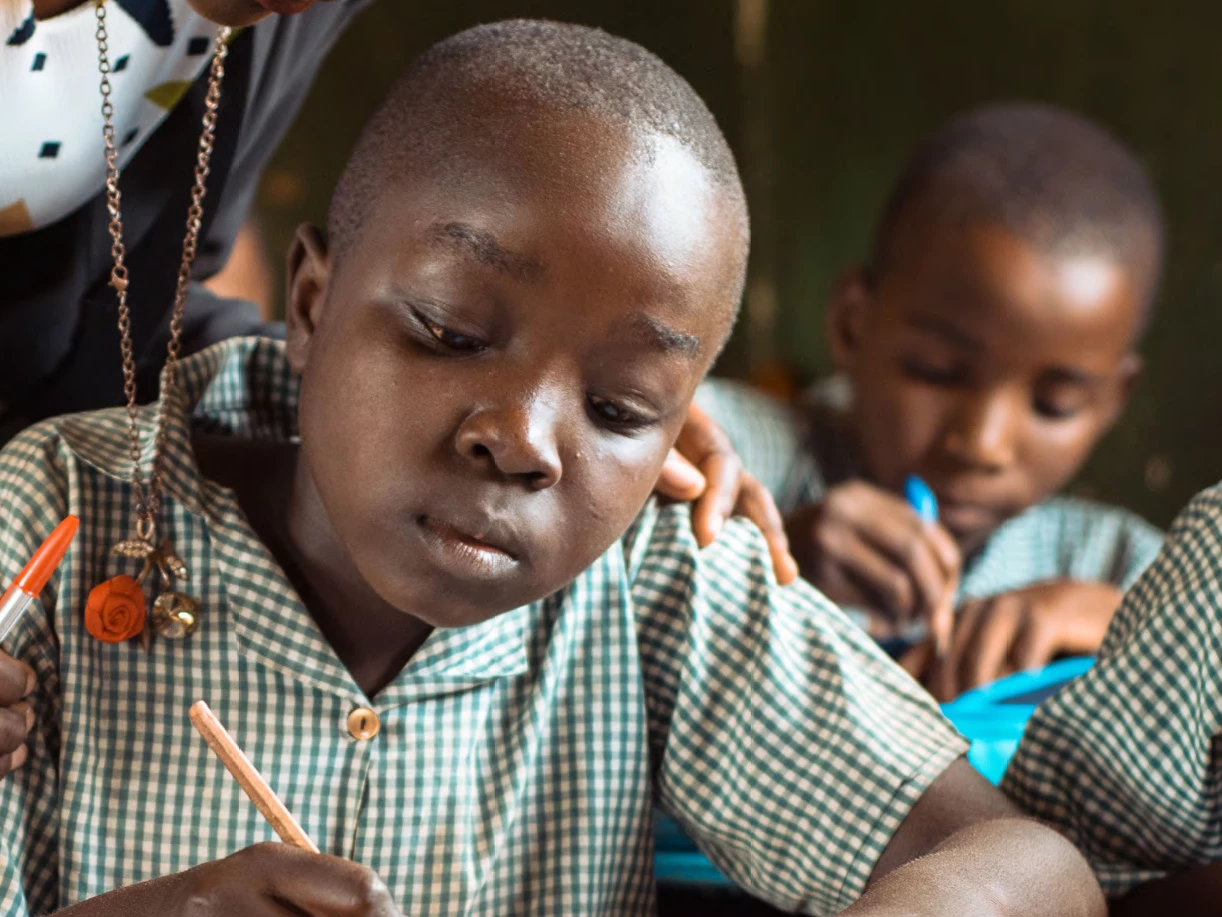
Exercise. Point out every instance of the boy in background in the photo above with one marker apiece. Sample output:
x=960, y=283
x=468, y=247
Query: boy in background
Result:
x=436, y=603
x=986, y=346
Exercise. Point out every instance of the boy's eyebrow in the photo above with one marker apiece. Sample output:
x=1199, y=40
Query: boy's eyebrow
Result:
x=942, y=328
x=661, y=336
x=1074, y=376
x=484, y=248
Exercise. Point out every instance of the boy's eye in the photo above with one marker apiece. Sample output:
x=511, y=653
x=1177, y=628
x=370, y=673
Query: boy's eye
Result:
x=451, y=340
x=932, y=373
x=614, y=415
x=1056, y=410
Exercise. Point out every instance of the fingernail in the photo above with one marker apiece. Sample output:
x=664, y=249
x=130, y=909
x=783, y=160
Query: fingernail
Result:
x=29, y=718
x=29, y=683
x=19, y=757
x=716, y=521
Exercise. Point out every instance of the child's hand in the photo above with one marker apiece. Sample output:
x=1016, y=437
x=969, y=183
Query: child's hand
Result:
x=276, y=880
x=866, y=548
x=1016, y=631
x=704, y=468
x=16, y=716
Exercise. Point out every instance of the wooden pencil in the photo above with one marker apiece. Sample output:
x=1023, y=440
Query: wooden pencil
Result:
x=249, y=778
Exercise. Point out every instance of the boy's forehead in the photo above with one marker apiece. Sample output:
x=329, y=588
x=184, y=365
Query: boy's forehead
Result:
x=546, y=191
x=974, y=274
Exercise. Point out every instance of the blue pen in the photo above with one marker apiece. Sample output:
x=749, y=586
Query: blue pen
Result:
x=922, y=500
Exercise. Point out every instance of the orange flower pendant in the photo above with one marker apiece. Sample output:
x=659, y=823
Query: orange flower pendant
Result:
x=117, y=610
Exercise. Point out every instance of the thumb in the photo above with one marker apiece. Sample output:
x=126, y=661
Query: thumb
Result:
x=680, y=479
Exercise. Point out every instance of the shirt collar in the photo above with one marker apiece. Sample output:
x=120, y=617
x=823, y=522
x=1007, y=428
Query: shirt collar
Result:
x=243, y=386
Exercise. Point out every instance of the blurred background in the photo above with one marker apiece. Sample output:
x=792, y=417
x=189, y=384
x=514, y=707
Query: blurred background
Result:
x=822, y=101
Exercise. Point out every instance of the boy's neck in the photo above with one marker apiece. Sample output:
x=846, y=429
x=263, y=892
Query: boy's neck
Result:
x=372, y=639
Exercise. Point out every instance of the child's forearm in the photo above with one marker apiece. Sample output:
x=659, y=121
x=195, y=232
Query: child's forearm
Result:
x=1006, y=867
x=1194, y=893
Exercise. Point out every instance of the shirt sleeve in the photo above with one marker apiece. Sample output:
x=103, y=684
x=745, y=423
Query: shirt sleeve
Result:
x=33, y=489
x=766, y=435
x=784, y=742
x=1126, y=759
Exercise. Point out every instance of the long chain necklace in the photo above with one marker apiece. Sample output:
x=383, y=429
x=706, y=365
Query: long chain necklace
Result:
x=174, y=614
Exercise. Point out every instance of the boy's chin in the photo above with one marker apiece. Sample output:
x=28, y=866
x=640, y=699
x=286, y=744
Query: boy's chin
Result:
x=970, y=542
x=443, y=606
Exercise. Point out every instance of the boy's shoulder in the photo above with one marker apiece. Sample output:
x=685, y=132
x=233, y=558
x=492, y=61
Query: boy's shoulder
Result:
x=730, y=584
x=1082, y=511
x=46, y=449
x=1064, y=537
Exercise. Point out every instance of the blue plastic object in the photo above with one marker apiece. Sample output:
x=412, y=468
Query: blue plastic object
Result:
x=992, y=718
x=921, y=498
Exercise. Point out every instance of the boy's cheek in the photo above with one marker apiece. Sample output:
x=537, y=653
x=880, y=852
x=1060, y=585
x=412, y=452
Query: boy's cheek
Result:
x=898, y=428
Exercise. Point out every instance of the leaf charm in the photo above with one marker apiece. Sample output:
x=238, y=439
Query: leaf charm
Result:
x=171, y=562
x=133, y=547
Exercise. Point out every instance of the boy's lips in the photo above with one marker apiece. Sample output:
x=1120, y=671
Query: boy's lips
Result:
x=459, y=549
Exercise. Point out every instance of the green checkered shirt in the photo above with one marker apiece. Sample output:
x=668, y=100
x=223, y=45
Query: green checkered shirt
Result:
x=1127, y=759
x=518, y=760
x=798, y=456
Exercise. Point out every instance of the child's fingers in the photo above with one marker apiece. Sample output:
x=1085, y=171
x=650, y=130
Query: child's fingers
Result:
x=722, y=472
x=1035, y=644
x=16, y=680
x=945, y=549
x=680, y=479
x=13, y=760
x=15, y=723
x=984, y=656
x=942, y=619
x=943, y=677
x=707, y=447
x=894, y=528
x=871, y=572
x=292, y=881
x=756, y=503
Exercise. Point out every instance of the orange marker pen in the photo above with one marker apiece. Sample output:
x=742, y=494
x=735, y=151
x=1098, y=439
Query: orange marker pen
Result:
x=37, y=572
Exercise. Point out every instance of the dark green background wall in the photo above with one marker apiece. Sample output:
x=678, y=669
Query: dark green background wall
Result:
x=821, y=126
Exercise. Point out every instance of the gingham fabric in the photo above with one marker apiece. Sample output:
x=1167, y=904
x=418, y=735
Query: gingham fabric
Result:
x=1127, y=759
x=518, y=760
x=798, y=457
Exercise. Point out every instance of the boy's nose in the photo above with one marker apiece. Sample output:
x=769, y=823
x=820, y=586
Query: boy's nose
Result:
x=984, y=434
x=519, y=441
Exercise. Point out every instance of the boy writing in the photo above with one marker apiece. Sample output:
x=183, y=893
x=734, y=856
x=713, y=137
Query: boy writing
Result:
x=435, y=605
x=987, y=345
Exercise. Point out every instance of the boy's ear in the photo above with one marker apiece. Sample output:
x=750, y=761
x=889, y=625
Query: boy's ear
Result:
x=308, y=273
x=846, y=315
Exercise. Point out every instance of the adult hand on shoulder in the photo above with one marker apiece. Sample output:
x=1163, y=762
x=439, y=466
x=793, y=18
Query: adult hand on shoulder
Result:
x=1016, y=631
x=16, y=715
x=867, y=548
x=266, y=880
x=704, y=468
